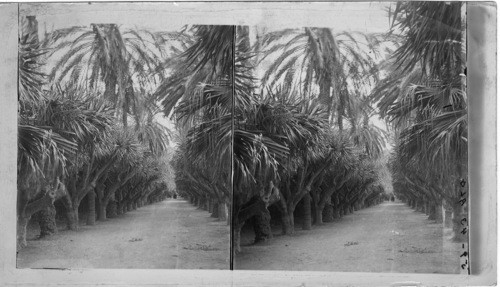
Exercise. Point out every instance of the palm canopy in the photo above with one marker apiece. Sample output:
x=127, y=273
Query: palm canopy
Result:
x=371, y=138
x=434, y=36
x=336, y=67
x=43, y=151
x=105, y=58
x=197, y=90
x=197, y=82
x=73, y=113
x=214, y=47
x=42, y=158
x=279, y=135
x=424, y=94
x=103, y=52
x=31, y=77
x=201, y=91
x=150, y=131
x=83, y=120
x=70, y=142
x=424, y=97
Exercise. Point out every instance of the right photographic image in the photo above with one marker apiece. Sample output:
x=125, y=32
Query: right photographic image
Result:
x=350, y=148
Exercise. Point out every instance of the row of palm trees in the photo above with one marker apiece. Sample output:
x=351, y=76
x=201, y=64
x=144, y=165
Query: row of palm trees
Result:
x=286, y=146
x=72, y=145
x=297, y=138
x=424, y=96
x=283, y=145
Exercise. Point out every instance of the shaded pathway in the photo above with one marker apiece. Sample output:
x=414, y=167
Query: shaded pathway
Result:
x=169, y=234
x=389, y=237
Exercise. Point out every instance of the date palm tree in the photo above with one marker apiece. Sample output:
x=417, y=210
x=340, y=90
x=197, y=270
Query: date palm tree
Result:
x=106, y=58
x=69, y=139
x=207, y=108
x=42, y=152
x=334, y=66
x=85, y=121
x=42, y=162
x=424, y=95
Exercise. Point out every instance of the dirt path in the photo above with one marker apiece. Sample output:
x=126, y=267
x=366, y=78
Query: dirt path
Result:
x=170, y=234
x=389, y=237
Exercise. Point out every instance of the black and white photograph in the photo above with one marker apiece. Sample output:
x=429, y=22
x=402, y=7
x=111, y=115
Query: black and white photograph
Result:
x=284, y=140
x=361, y=159
x=124, y=144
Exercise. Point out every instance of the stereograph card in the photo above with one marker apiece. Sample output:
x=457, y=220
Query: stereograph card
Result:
x=330, y=143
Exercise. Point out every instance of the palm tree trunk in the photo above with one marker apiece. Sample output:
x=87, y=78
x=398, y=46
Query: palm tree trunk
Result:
x=130, y=206
x=76, y=216
x=345, y=208
x=287, y=223
x=307, y=219
x=113, y=212
x=287, y=220
x=439, y=212
x=102, y=212
x=262, y=226
x=237, y=237
x=47, y=221
x=324, y=92
x=71, y=215
x=124, y=117
x=432, y=210
x=210, y=205
x=25, y=210
x=327, y=213
x=91, y=203
x=110, y=87
x=120, y=207
x=22, y=223
x=421, y=206
x=222, y=212
x=317, y=209
x=206, y=205
x=319, y=215
x=340, y=122
x=215, y=210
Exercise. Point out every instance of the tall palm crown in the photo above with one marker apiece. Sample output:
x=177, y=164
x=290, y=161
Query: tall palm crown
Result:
x=105, y=58
x=43, y=152
x=425, y=95
x=316, y=59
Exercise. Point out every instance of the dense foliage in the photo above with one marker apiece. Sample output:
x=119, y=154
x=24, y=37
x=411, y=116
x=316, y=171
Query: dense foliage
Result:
x=424, y=97
x=72, y=146
x=267, y=126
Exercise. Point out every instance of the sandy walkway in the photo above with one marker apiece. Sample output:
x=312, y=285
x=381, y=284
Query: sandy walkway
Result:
x=170, y=234
x=386, y=238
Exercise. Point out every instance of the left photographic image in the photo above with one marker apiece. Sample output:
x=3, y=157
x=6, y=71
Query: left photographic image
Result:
x=124, y=139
